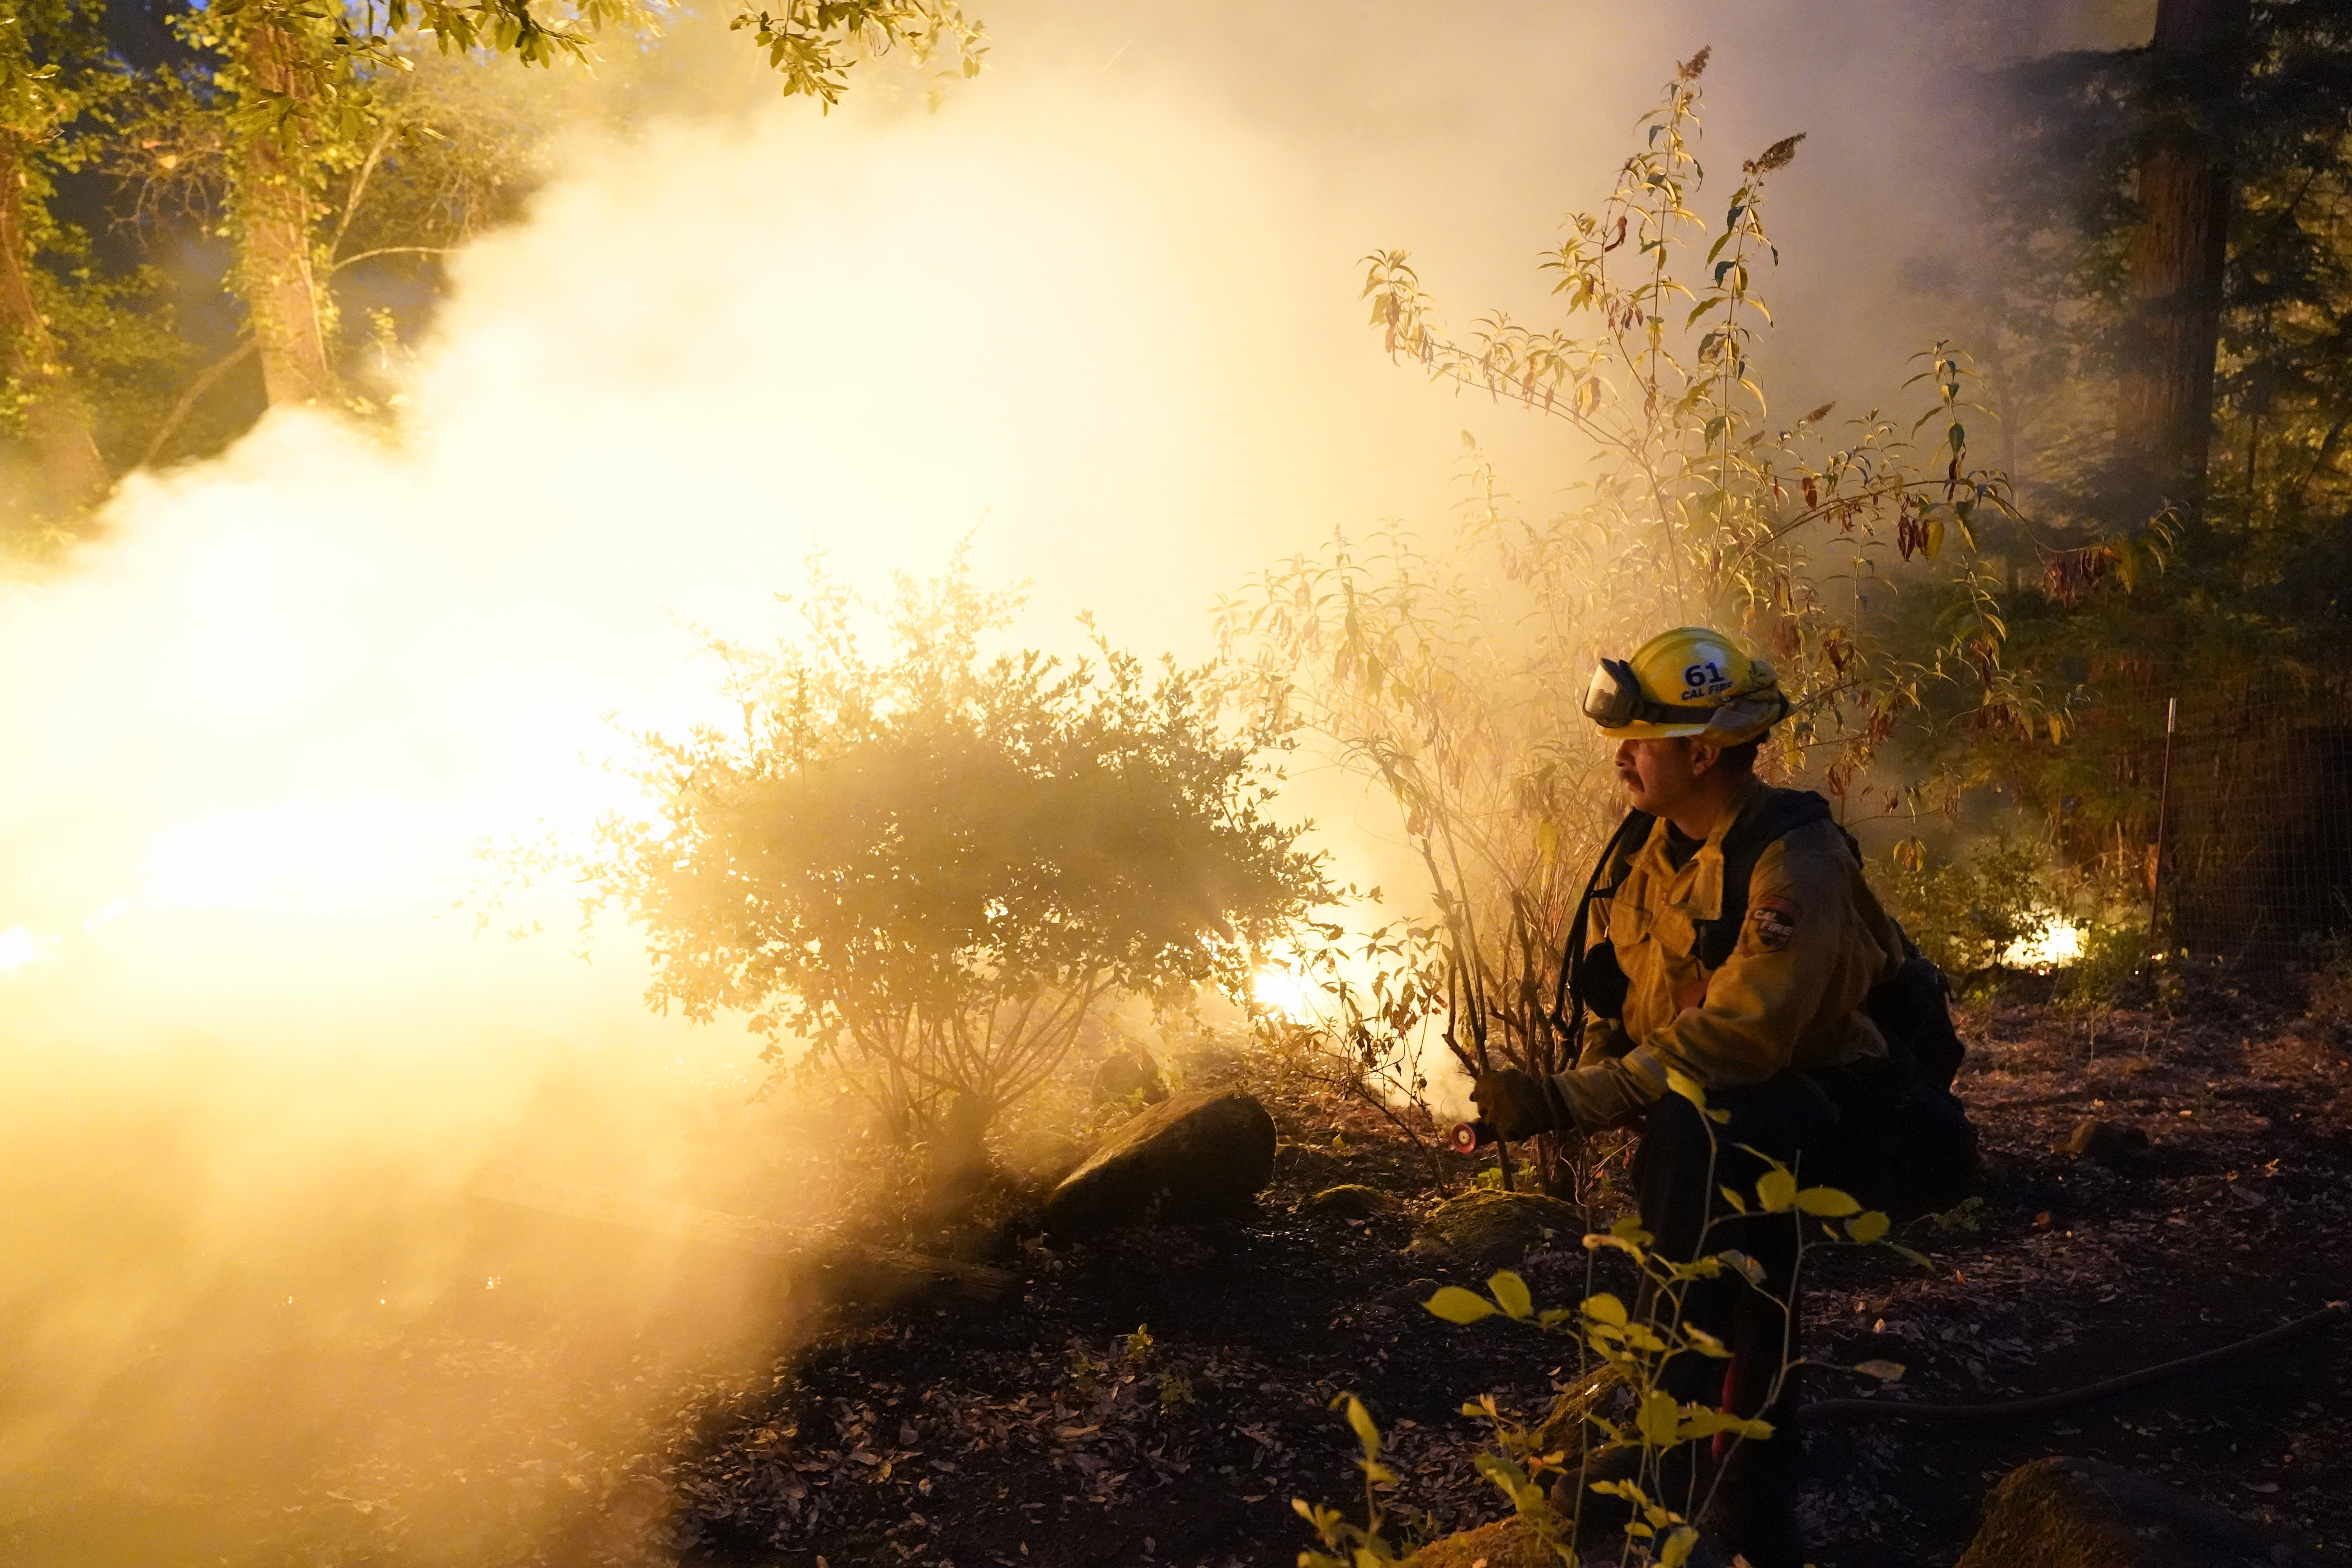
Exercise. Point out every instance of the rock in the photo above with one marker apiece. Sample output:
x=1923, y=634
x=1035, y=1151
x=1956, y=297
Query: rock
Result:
x=1128, y=1072
x=1351, y=1200
x=2079, y=1513
x=2118, y=1145
x=1493, y=1229
x=1511, y=1543
x=1411, y=1296
x=1567, y=1425
x=1506, y=1544
x=1192, y=1156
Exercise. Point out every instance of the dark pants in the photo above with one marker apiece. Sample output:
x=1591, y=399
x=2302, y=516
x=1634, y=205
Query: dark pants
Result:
x=1678, y=1171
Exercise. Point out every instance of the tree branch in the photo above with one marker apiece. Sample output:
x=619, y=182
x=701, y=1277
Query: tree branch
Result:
x=392, y=251
x=358, y=188
x=205, y=381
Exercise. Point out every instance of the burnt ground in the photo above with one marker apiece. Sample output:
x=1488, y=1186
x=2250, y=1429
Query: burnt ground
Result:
x=1039, y=1433
x=598, y=1397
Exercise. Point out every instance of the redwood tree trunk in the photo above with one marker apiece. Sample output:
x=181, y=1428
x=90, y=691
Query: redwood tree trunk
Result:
x=56, y=424
x=2176, y=255
x=276, y=212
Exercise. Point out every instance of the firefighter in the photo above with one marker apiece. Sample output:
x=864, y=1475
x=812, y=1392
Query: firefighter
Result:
x=1761, y=1005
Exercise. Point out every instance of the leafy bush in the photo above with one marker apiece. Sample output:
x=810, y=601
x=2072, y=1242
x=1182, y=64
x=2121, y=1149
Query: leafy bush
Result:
x=1354, y=1024
x=938, y=868
x=2114, y=953
x=1967, y=913
x=1451, y=674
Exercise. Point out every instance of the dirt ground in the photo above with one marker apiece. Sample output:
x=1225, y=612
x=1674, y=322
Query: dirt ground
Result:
x=1161, y=1396
x=1042, y=1433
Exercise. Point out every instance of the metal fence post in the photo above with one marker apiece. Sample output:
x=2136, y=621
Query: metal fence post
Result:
x=2163, y=809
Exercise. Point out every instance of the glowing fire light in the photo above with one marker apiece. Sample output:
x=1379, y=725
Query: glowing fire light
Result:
x=1287, y=993
x=2060, y=944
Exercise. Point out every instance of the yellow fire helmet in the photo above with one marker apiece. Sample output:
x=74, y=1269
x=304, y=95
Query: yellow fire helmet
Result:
x=1686, y=682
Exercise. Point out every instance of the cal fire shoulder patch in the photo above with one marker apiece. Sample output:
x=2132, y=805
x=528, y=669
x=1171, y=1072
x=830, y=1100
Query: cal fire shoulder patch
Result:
x=1774, y=922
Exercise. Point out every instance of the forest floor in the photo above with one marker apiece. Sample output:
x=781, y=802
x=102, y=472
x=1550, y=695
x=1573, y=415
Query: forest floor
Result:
x=1161, y=1396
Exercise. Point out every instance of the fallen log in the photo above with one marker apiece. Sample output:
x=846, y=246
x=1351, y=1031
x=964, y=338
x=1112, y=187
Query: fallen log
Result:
x=865, y=1271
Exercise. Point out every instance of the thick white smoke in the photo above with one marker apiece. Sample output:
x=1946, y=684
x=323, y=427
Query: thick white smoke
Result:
x=1099, y=311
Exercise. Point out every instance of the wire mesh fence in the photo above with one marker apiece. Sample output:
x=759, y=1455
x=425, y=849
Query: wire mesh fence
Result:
x=2252, y=856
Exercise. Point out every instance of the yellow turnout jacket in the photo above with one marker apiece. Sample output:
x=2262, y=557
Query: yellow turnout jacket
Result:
x=1813, y=943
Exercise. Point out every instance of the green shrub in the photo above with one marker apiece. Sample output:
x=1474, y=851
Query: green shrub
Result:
x=1966, y=913
x=2114, y=953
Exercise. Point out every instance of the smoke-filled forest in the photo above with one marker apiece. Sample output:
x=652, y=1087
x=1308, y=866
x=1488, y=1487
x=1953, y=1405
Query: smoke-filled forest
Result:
x=1205, y=784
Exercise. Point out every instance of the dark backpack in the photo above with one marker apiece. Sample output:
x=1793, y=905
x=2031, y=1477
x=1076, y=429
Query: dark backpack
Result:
x=1906, y=1137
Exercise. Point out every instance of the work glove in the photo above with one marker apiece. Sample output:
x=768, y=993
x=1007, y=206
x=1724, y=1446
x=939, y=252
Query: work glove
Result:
x=1514, y=1104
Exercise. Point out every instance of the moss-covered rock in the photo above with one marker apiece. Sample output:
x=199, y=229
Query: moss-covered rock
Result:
x=1491, y=1229
x=1506, y=1544
x=2079, y=1513
x=1510, y=1543
x=1350, y=1200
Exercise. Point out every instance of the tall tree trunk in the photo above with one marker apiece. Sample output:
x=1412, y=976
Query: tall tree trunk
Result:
x=2175, y=267
x=276, y=215
x=55, y=421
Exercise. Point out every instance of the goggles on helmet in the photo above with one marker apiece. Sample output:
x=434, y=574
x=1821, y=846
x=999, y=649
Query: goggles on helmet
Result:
x=1614, y=699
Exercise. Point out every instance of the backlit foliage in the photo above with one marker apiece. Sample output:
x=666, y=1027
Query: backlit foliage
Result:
x=1452, y=673
x=935, y=868
x=1621, y=1350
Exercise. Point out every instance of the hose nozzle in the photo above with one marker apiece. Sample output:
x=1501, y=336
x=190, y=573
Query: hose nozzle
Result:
x=1469, y=1137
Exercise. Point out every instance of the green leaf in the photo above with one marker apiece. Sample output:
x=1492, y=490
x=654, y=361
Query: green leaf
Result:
x=1658, y=1417
x=1605, y=1308
x=1775, y=1190
x=1957, y=436
x=1734, y=1199
x=1511, y=1292
x=1366, y=1432
x=1682, y=1083
x=1708, y=1423
x=1456, y=1305
x=1707, y=1344
x=1867, y=1226
x=1630, y=1491
x=1508, y=1479
x=1827, y=1202
x=1749, y=1270
x=1678, y=1549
